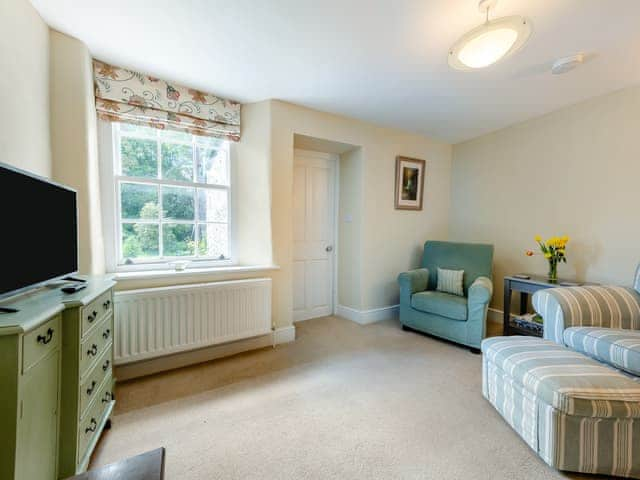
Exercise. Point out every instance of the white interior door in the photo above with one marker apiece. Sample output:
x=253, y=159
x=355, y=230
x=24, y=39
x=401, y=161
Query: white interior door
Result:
x=313, y=234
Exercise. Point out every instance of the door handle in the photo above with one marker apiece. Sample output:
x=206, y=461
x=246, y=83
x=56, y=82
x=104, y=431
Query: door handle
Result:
x=329, y=249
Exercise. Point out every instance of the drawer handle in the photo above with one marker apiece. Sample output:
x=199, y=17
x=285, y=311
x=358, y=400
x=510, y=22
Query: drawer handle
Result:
x=91, y=388
x=93, y=426
x=45, y=339
x=105, y=366
x=92, y=316
x=106, y=334
x=108, y=396
x=107, y=304
x=93, y=351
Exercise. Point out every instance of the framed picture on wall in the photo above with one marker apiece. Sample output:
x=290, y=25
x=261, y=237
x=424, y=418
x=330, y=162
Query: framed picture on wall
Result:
x=410, y=174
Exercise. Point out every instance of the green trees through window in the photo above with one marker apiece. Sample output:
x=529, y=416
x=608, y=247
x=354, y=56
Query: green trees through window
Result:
x=173, y=194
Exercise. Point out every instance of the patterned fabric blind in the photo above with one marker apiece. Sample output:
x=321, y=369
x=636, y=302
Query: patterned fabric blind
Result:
x=127, y=96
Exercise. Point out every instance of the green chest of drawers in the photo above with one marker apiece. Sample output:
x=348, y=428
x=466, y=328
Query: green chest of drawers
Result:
x=87, y=381
x=56, y=383
x=29, y=399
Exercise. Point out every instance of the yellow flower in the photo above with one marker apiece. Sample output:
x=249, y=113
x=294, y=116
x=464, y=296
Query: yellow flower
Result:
x=561, y=251
x=547, y=255
x=538, y=238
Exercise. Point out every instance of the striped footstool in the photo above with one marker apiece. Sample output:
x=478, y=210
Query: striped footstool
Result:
x=576, y=413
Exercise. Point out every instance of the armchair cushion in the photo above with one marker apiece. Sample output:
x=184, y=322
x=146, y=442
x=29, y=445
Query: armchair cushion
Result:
x=474, y=258
x=450, y=281
x=616, y=347
x=439, y=303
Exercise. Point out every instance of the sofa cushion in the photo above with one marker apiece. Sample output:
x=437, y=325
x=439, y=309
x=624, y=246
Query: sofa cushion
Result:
x=565, y=379
x=439, y=303
x=450, y=281
x=615, y=346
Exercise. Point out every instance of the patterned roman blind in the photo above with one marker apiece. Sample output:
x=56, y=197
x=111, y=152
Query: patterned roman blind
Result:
x=127, y=96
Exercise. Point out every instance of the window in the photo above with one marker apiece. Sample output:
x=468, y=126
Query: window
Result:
x=171, y=195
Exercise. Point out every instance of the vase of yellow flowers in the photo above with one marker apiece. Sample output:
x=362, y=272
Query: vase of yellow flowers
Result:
x=554, y=250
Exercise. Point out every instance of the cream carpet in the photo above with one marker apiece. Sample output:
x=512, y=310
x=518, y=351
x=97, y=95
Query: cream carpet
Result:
x=342, y=402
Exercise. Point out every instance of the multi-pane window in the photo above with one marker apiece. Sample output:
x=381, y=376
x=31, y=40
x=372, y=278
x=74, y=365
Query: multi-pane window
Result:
x=172, y=195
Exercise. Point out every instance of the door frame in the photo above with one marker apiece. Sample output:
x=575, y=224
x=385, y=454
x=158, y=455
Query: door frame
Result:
x=334, y=160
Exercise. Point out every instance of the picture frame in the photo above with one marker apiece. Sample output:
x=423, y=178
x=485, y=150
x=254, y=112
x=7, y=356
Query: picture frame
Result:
x=409, y=191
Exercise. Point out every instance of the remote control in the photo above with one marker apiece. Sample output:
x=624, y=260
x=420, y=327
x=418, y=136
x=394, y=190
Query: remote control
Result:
x=8, y=310
x=73, y=288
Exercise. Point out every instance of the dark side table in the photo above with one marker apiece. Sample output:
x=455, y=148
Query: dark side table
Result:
x=526, y=287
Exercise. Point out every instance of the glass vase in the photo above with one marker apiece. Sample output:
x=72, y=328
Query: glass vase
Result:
x=553, y=270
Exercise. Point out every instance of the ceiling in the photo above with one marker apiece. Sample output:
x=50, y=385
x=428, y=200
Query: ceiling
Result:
x=383, y=61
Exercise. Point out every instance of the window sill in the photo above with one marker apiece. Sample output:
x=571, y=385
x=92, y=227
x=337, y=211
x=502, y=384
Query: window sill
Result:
x=192, y=272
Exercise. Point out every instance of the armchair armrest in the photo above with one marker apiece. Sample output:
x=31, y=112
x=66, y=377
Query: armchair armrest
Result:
x=479, y=296
x=597, y=306
x=411, y=282
x=480, y=291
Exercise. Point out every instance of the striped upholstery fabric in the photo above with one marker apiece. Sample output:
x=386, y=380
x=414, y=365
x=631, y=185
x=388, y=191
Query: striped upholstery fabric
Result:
x=592, y=306
x=450, y=281
x=636, y=280
x=564, y=379
x=517, y=375
x=617, y=347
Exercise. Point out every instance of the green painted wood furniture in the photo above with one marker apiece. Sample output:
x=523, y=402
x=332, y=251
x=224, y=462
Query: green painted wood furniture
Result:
x=56, y=388
x=87, y=380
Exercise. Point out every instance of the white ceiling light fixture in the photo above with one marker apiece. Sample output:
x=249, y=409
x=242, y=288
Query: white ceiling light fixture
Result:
x=491, y=42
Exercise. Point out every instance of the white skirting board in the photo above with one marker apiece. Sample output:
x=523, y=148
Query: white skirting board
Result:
x=284, y=335
x=364, y=317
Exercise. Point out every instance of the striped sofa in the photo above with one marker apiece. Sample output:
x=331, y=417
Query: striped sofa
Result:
x=574, y=396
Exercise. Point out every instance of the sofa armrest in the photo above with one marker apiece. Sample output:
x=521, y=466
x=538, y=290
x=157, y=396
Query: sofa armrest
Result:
x=597, y=306
x=412, y=281
x=480, y=291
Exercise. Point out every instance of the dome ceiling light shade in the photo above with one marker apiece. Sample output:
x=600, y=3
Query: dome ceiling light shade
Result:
x=491, y=42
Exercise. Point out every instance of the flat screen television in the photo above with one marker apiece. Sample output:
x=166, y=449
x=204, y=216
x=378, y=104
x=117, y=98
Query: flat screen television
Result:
x=38, y=232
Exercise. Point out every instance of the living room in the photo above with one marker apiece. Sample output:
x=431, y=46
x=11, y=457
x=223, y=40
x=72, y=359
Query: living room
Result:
x=273, y=205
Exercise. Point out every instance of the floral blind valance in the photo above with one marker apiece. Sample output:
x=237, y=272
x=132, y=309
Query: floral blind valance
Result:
x=131, y=97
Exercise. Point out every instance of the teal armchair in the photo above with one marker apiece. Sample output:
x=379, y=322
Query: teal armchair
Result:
x=459, y=319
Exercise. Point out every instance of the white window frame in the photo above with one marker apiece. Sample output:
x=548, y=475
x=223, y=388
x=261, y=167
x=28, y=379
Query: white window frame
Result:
x=110, y=181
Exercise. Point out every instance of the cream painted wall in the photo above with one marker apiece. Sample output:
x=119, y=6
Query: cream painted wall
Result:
x=251, y=188
x=574, y=172
x=24, y=88
x=350, y=208
x=74, y=141
x=391, y=239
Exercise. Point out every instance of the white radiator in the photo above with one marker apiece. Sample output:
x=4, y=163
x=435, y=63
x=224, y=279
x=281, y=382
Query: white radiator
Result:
x=159, y=321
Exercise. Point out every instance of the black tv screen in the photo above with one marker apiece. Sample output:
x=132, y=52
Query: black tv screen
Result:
x=39, y=232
